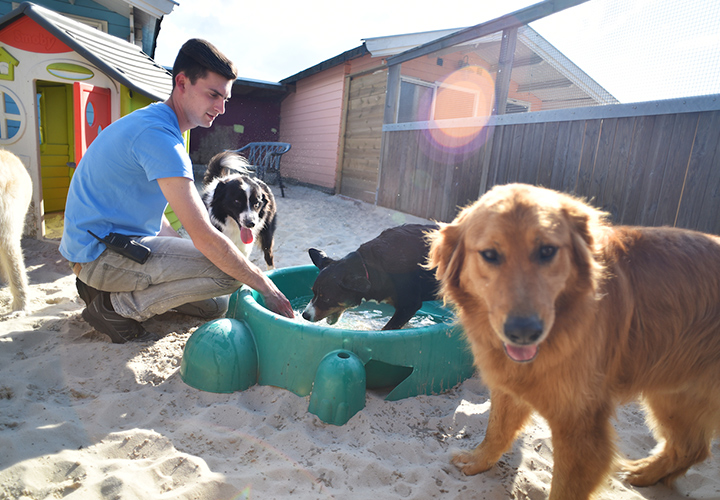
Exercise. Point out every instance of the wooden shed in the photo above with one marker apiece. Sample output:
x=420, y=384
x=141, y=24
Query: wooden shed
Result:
x=334, y=113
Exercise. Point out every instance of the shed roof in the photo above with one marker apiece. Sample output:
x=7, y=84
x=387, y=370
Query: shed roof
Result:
x=258, y=88
x=153, y=8
x=327, y=64
x=120, y=60
x=539, y=66
x=386, y=46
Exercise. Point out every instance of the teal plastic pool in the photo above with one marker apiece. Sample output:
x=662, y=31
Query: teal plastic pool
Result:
x=298, y=355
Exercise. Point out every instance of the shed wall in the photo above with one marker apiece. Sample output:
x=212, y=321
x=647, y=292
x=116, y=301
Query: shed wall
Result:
x=310, y=120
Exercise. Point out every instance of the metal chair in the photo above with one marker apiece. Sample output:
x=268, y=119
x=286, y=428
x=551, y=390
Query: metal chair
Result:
x=265, y=157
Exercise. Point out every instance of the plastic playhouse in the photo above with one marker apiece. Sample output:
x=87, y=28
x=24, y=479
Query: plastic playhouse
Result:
x=253, y=345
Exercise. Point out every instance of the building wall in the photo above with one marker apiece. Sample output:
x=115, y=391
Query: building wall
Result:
x=246, y=119
x=118, y=25
x=311, y=121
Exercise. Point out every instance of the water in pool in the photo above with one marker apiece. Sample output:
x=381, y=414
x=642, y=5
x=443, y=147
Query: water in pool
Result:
x=370, y=316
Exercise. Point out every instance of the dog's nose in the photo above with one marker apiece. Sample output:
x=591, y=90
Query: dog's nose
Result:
x=306, y=315
x=523, y=330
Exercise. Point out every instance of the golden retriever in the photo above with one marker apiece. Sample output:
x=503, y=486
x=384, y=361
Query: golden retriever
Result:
x=15, y=196
x=570, y=316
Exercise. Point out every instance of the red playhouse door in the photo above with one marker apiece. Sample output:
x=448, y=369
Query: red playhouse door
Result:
x=91, y=115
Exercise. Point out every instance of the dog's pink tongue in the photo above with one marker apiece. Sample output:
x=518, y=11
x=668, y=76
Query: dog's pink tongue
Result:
x=521, y=354
x=246, y=235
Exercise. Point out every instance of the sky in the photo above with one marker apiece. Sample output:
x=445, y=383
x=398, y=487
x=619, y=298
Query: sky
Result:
x=274, y=39
x=635, y=52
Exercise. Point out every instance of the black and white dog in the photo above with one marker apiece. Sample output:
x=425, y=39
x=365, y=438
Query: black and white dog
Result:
x=241, y=206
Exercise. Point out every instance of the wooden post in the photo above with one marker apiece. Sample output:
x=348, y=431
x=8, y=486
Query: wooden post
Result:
x=392, y=100
x=504, y=72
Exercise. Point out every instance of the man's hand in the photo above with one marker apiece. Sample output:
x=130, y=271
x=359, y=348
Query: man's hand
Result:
x=277, y=302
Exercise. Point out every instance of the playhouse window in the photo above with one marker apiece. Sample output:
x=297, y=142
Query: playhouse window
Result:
x=90, y=114
x=10, y=111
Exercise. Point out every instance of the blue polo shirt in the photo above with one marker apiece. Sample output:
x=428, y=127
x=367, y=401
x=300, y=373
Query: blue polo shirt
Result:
x=115, y=188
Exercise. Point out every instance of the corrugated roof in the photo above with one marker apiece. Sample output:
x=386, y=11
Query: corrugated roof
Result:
x=120, y=60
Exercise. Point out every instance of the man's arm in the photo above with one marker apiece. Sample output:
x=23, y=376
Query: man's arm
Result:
x=187, y=205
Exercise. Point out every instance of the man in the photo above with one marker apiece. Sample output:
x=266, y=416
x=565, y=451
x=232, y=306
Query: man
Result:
x=128, y=175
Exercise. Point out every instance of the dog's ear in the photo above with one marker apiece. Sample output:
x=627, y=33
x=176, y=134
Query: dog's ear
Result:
x=319, y=258
x=585, y=223
x=220, y=189
x=355, y=283
x=446, y=254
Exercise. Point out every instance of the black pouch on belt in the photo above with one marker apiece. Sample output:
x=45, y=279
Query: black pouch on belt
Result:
x=125, y=246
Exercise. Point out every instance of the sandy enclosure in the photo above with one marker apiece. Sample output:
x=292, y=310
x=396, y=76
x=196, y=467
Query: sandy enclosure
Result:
x=83, y=418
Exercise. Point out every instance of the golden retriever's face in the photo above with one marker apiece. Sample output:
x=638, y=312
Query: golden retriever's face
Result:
x=511, y=256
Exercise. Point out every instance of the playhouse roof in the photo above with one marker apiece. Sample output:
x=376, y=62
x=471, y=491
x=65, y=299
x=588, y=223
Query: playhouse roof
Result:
x=120, y=60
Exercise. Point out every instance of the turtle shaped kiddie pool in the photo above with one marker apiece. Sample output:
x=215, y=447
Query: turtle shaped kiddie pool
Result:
x=253, y=345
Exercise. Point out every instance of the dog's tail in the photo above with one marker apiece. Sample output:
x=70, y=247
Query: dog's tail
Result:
x=227, y=162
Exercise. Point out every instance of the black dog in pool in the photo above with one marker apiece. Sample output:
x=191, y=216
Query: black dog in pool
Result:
x=389, y=268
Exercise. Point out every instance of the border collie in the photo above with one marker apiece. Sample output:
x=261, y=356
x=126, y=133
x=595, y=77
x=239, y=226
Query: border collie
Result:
x=241, y=206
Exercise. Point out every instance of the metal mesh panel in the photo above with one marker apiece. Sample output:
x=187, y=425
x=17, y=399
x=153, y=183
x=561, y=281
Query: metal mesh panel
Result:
x=639, y=51
x=597, y=53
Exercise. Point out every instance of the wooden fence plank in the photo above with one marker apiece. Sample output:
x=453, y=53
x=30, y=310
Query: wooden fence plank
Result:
x=711, y=201
x=576, y=141
x=494, y=177
x=638, y=166
x=399, y=159
x=407, y=175
x=650, y=190
x=561, y=151
x=618, y=167
x=697, y=206
x=601, y=171
x=681, y=144
x=587, y=159
x=547, y=155
x=467, y=178
x=517, y=134
x=531, y=152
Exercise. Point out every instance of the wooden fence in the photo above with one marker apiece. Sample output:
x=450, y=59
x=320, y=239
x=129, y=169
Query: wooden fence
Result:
x=655, y=163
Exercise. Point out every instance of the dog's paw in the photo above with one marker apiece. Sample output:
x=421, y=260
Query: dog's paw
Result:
x=14, y=314
x=471, y=463
x=644, y=472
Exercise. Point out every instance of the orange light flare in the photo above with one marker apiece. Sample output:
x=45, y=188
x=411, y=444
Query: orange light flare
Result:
x=468, y=93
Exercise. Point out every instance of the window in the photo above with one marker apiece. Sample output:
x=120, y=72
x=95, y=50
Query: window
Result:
x=12, y=117
x=415, y=100
x=452, y=101
x=466, y=94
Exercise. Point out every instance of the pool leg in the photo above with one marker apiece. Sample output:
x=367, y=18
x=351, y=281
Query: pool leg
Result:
x=339, y=387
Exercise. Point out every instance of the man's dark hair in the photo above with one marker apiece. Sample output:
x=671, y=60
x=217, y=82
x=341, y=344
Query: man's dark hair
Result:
x=197, y=57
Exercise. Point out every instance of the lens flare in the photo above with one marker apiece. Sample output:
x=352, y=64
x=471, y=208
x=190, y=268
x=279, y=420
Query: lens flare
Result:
x=468, y=93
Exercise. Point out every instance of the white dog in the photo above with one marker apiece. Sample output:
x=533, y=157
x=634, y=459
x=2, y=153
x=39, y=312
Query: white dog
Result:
x=15, y=196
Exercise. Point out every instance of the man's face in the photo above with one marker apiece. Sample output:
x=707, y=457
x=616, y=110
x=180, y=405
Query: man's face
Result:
x=206, y=99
